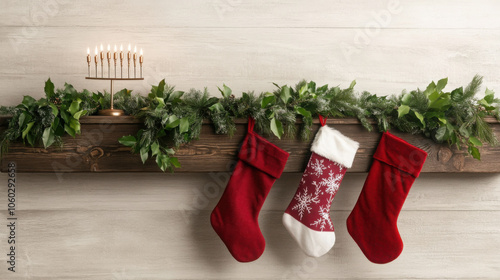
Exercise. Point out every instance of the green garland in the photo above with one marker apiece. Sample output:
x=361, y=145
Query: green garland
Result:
x=172, y=118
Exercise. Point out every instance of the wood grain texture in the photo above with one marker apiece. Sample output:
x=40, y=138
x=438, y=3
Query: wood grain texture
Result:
x=97, y=150
x=159, y=245
x=190, y=193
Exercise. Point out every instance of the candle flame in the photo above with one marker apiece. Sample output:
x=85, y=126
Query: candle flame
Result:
x=128, y=47
x=141, y=51
x=88, y=50
x=95, y=50
x=121, y=47
x=109, y=47
x=115, y=48
x=135, y=49
x=101, y=48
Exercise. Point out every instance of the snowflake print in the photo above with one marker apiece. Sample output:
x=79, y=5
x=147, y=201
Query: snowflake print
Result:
x=304, y=201
x=324, y=218
x=340, y=166
x=332, y=183
x=318, y=167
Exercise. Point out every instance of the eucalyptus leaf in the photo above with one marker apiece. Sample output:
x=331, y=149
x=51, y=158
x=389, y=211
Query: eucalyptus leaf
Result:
x=441, y=84
x=276, y=127
x=155, y=148
x=226, y=91
x=403, y=110
x=69, y=130
x=175, y=162
x=144, y=154
x=476, y=142
x=440, y=133
x=270, y=99
x=420, y=117
x=160, y=89
x=184, y=125
x=128, y=141
x=27, y=129
x=48, y=137
x=75, y=106
x=285, y=94
x=474, y=152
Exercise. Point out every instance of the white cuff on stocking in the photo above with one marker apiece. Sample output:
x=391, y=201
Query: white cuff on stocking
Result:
x=335, y=146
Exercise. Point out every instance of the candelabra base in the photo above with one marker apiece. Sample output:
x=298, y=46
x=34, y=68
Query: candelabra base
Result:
x=111, y=112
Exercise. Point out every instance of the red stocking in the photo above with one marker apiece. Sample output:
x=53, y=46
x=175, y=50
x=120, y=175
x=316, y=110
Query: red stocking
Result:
x=235, y=218
x=373, y=221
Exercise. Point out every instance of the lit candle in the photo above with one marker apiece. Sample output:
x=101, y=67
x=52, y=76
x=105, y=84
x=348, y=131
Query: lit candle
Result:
x=108, y=56
x=129, y=56
x=141, y=60
x=95, y=59
x=89, y=59
x=115, y=58
x=135, y=61
x=121, y=60
x=102, y=62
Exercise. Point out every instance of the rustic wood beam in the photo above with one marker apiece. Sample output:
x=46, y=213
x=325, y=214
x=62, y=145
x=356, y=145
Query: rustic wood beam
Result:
x=97, y=150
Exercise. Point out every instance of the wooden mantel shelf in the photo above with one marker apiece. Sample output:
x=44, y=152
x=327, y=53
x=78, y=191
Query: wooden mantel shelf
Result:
x=97, y=150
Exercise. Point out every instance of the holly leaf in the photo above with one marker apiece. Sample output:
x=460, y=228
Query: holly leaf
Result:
x=49, y=89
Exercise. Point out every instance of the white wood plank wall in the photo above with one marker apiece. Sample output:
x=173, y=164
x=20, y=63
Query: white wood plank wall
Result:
x=156, y=226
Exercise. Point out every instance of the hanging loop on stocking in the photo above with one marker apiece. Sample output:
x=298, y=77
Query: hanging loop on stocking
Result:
x=251, y=124
x=322, y=120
